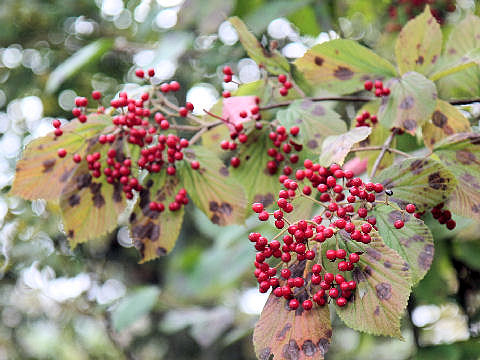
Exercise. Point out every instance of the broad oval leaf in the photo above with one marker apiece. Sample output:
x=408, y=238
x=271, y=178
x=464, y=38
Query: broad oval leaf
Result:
x=342, y=66
x=288, y=334
x=213, y=188
x=419, y=44
x=446, y=120
x=413, y=242
x=273, y=61
x=315, y=122
x=41, y=174
x=461, y=154
x=153, y=233
x=336, y=148
x=420, y=181
x=383, y=286
x=410, y=104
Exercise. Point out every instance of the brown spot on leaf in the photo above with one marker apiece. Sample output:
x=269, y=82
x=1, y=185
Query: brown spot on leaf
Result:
x=410, y=124
x=318, y=60
x=265, y=353
x=291, y=351
x=318, y=110
x=117, y=192
x=71, y=234
x=74, y=200
x=213, y=206
x=437, y=182
x=476, y=208
x=281, y=334
x=215, y=219
x=373, y=254
x=407, y=103
x=405, y=267
x=343, y=73
x=224, y=171
x=312, y=144
x=132, y=217
x=309, y=348
x=434, y=59
x=66, y=175
x=439, y=119
x=367, y=271
x=358, y=275
x=161, y=251
x=465, y=157
x=97, y=197
x=149, y=231
x=323, y=344
x=83, y=180
x=266, y=199
x=416, y=167
x=377, y=311
x=48, y=165
x=387, y=264
x=395, y=215
x=384, y=291
x=425, y=257
x=419, y=60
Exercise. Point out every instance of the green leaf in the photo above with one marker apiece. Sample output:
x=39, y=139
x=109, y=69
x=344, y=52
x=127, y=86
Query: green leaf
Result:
x=273, y=61
x=288, y=334
x=259, y=184
x=342, y=66
x=470, y=59
x=90, y=206
x=154, y=234
x=419, y=44
x=460, y=153
x=41, y=174
x=336, y=148
x=213, y=189
x=467, y=251
x=305, y=20
x=85, y=56
x=413, y=242
x=446, y=120
x=315, y=122
x=410, y=104
x=420, y=181
x=134, y=306
x=383, y=285
x=464, y=38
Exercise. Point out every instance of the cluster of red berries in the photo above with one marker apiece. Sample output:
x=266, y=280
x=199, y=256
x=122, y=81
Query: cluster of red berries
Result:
x=135, y=124
x=379, y=89
x=286, y=85
x=443, y=216
x=361, y=120
x=228, y=73
x=283, y=146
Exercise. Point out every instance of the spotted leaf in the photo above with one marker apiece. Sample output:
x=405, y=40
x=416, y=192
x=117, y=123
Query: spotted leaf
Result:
x=413, y=242
x=315, y=122
x=460, y=153
x=383, y=286
x=272, y=60
x=446, y=120
x=41, y=174
x=292, y=334
x=419, y=44
x=342, y=66
x=154, y=234
x=213, y=189
x=336, y=148
x=411, y=102
x=420, y=181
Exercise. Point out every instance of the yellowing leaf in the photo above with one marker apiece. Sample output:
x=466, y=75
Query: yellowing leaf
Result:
x=419, y=44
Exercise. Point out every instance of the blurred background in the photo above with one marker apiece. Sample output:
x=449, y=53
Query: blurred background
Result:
x=97, y=302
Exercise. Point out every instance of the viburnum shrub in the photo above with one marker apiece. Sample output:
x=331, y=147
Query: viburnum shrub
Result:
x=341, y=193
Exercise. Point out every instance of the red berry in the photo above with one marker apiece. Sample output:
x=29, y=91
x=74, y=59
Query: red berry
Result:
x=235, y=162
x=333, y=293
x=182, y=111
x=283, y=91
x=227, y=70
x=96, y=95
x=341, y=254
x=368, y=85
x=451, y=224
x=410, y=208
x=139, y=73
x=195, y=165
x=62, y=153
x=341, y=301
x=294, y=130
x=263, y=216
x=331, y=254
x=293, y=304
x=58, y=132
x=77, y=158
x=56, y=123
x=354, y=257
x=282, y=78
x=307, y=305
x=398, y=224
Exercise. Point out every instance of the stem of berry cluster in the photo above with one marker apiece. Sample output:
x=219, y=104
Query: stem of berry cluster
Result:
x=374, y=148
x=385, y=146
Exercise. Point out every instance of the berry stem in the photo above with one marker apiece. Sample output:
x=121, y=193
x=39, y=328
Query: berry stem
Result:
x=374, y=148
x=385, y=146
x=314, y=200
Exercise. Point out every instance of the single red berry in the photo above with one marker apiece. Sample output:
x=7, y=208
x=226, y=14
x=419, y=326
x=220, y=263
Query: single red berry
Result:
x=294, y=304
x=283, y=91
x=331, y=254
x=294, y=130
x=329, y=277
x=282, y=78
x=77, y=158
x=307, y=305
x=56, y=123
x=195, y=165
x=182, y=111
x=227, y=70
x=263, y=216
x=96, y=95
x=316, y=268
x=189, y=106
x=342, y=266
x=410, y=208
x=398, y=224
x=341, y=254
x=451, y=224
x=333, y=293
x=62, y=153
x=235, y=162
x=58, y=132
x=368, y=85
x=341, y=301
x=354, y=257
x=139, y=73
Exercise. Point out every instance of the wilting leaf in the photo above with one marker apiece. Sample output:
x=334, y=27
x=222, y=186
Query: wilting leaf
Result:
x=336, y=148
x=410, y=104
x=259, y=184
x=342, y=66
x=461, y=155
x=420, y=181
x=315, y=122
x=272, y=60
x=419, y=44
x=213, y=188
x=292, y=334
x=464, y=38
x=383, y=286
x=446, y=120
x=154, y=233
x=41, y=174
x=233, y=106
x=413, y=242
x=90, y=206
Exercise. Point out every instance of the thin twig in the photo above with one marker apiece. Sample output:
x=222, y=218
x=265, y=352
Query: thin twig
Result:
x=195, y=137
x=374, y=148
x=385, y=146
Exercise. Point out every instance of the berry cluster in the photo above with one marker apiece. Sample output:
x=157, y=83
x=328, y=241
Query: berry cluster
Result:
x=344, y=199
x=379, y=89
x=228, y=73
x=361, y=120
x=286, y=85
x=283, y=146
x=443, y=216
x=180, y=199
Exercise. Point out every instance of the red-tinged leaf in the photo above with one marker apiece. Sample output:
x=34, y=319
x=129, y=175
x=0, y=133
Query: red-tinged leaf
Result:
x=446, y=120
x=419, y=44
x=356, y=165
x=154, y=233
x=413, y=242
x=90, y=206
x=383, y=285
x=41, y=174
x=292, y=334
x=213, y=188
x=461, y=155
x=234, y=106
x=420, y=181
